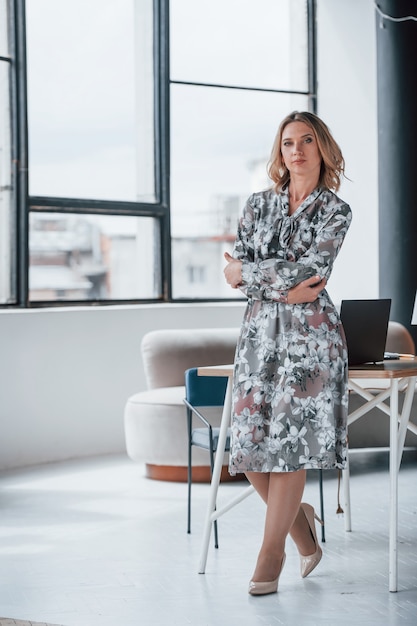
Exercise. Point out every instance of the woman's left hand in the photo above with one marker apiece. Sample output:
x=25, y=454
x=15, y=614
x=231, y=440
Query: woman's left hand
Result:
x=233, y=271
x=306, y=291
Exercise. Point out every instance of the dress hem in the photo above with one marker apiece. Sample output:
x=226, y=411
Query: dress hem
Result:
x=339, y=466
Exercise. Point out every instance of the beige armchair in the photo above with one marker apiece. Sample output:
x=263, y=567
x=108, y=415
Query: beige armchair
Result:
x=155, y=420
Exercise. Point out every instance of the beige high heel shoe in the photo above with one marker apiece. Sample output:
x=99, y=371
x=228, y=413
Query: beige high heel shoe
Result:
x=261, y=589
x=308, y=563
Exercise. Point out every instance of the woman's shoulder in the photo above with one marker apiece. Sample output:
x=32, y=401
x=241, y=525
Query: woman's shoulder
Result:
x=265, y=197
x=333, y=203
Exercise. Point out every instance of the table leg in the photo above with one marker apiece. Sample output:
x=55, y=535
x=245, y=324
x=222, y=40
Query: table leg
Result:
x=405, y=417
x=397, y=438
x=214, y=485
x=393, y=469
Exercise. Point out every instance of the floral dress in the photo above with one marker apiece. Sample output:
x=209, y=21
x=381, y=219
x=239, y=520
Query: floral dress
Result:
x=290, y=375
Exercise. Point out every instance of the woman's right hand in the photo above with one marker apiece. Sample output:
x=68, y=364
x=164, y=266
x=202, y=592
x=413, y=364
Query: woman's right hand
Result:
x=306, y=291
x=233, y=271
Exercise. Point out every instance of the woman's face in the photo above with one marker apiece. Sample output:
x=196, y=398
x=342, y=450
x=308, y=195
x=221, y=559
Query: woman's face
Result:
x=299, y=150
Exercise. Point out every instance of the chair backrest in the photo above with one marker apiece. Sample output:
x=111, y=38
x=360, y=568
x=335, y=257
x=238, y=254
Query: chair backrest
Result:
x=204, y=390
x=167, y=353
x=399, y=339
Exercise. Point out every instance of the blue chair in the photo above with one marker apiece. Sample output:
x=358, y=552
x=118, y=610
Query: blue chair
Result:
x=203, y=391
x=210, y=391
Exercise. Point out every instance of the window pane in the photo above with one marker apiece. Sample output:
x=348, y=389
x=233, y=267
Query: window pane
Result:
x=221, y=142
x=93, y=257
x=7, y=213
x=240, y=42
x=90, y=99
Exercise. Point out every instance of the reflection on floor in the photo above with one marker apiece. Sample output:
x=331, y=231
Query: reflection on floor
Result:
x=93, y=542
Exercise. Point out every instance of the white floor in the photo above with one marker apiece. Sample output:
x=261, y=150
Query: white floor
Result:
x=89, y=543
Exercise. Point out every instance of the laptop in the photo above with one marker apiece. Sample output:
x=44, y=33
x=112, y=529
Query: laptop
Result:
x=365, y=323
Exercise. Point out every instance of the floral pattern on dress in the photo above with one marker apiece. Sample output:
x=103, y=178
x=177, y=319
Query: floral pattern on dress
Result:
x=290, y=391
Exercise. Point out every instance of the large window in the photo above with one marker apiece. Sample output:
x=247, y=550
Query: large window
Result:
x=132, y=132
x=94, y=233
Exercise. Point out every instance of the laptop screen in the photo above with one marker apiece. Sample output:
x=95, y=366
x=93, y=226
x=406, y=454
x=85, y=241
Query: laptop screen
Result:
x=365, y=323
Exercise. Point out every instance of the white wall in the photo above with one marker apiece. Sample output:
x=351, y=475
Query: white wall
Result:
x=65, y=374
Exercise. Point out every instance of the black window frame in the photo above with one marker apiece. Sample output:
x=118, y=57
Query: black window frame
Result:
x=159, y=210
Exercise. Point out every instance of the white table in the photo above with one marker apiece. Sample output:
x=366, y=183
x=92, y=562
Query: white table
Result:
x=401, y=376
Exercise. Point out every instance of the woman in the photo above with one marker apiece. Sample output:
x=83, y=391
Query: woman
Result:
x=290, y=375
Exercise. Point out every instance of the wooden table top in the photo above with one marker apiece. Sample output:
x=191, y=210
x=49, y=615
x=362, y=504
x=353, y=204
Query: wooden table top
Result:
x=398, y=368
x=215, y=370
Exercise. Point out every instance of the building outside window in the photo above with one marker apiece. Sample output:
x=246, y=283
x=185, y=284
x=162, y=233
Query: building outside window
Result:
x=140, y=155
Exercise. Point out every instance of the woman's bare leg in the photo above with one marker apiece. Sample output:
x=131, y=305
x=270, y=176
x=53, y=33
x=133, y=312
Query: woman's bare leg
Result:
x=285, y=491
x=260, y=481
x=301, y=535
x=300, y=530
